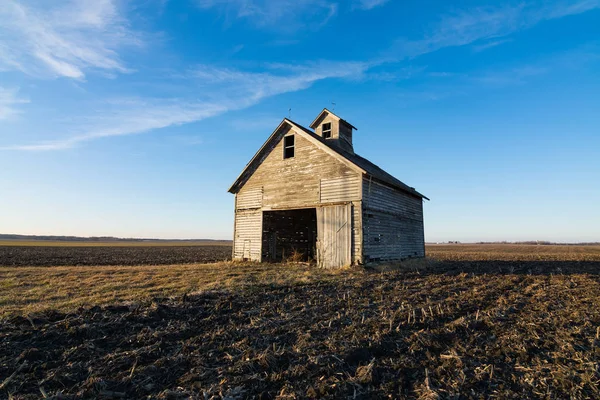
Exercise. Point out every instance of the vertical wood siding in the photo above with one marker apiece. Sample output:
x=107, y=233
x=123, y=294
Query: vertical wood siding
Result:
x=335, y=236
x=392, y=223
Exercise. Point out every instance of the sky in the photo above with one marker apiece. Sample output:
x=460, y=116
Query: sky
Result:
x=133, y=118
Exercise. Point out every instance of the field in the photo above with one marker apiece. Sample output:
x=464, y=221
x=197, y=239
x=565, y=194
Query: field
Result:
x=42, y=253
x=471, y=321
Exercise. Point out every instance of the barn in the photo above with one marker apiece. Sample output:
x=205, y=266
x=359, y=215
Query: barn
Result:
x=307, y=194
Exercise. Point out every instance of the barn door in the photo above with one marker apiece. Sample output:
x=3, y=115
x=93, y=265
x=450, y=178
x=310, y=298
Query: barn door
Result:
x=334, y=228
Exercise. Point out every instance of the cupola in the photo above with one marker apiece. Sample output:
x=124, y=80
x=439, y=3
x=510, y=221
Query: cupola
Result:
x=334, y=130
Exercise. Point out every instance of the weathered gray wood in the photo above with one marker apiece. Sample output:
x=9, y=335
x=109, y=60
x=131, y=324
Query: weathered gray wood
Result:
x=363, y=214
x=341, y=131
x=392, y=223
x=249, y=198
x=247, y=243
x=279, y=183
x=334, y=236
x=296, y=182
x=340, y=188
x=357, y=233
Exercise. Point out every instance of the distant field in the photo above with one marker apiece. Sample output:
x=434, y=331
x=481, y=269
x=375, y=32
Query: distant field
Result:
x=98, y=254
x=469, y=322
x=120, y=243
x=62, y=253
x=508, y=252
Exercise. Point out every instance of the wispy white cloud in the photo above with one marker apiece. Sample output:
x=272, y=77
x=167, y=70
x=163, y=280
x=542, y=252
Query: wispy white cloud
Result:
x=572, y=60
x=510, y=76
x=464, y=84
x=63, y=39
x=489, y=44
x=466, y=27
x=223, y=90
x=285, y=15
x=369, y=4
x=256, y=122
x=9, y=99
x=128, y=117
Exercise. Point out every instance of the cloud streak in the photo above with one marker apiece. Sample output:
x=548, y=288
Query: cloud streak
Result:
x=65, y=40
x=224, y=90
x=369, y=4
x=281, y=14
x=9, y=98
x=466, y=27
x=488, y=45
x=207, y=91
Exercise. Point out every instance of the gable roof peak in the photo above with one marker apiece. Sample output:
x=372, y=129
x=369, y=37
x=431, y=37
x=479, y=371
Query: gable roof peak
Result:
x=314, y=124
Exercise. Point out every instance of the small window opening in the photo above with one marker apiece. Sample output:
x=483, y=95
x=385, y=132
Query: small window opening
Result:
x=288, y=146
x=327, y=130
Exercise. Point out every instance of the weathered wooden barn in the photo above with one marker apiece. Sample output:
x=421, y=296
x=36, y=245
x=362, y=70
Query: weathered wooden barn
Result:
x=306, y=192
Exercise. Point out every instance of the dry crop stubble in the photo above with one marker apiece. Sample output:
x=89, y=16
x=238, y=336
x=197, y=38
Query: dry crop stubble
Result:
x=517, y=327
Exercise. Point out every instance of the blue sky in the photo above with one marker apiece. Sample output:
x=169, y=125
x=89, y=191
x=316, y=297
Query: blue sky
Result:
x=133, y=118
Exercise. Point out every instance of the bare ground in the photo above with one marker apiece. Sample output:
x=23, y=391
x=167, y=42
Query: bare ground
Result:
x=44, y=254
x=489, y=327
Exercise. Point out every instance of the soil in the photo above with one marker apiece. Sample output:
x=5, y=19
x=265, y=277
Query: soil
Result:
x=13, y=256
x=456, y=329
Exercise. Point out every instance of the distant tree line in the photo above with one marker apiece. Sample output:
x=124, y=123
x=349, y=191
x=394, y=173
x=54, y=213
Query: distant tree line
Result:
x=89, y=239
x=534, y=242
x=541, y=243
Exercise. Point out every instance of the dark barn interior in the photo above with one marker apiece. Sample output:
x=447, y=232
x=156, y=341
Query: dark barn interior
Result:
x=289, y=232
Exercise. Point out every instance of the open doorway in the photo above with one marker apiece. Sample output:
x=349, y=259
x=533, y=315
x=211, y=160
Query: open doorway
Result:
x=289, y=232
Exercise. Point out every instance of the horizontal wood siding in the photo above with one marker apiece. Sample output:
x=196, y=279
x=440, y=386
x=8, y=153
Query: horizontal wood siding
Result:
x=340, y=189
x=377, y=196
x=249, y=198
x=296, y=182
x=357, y=233
x=247, y=243
x=392, y=223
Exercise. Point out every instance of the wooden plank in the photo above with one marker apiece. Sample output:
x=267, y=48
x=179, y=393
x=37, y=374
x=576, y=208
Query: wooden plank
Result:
x=357, y=233
x=392, y=223
x=273, y=148
x=345, y=188
x=247, y=242
x=249, y=198
x=334, y=236
x=384, y=198
x=296, y=182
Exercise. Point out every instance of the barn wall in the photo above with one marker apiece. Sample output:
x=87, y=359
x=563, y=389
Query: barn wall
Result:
x=311, y=178
x=247, y=243
x=296, y=182
x=357, y=232
x=393, y=223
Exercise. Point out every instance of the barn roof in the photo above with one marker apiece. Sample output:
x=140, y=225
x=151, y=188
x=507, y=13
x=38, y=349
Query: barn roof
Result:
x=364, y=165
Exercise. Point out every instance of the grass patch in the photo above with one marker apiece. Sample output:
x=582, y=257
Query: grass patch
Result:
x=28, y=290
